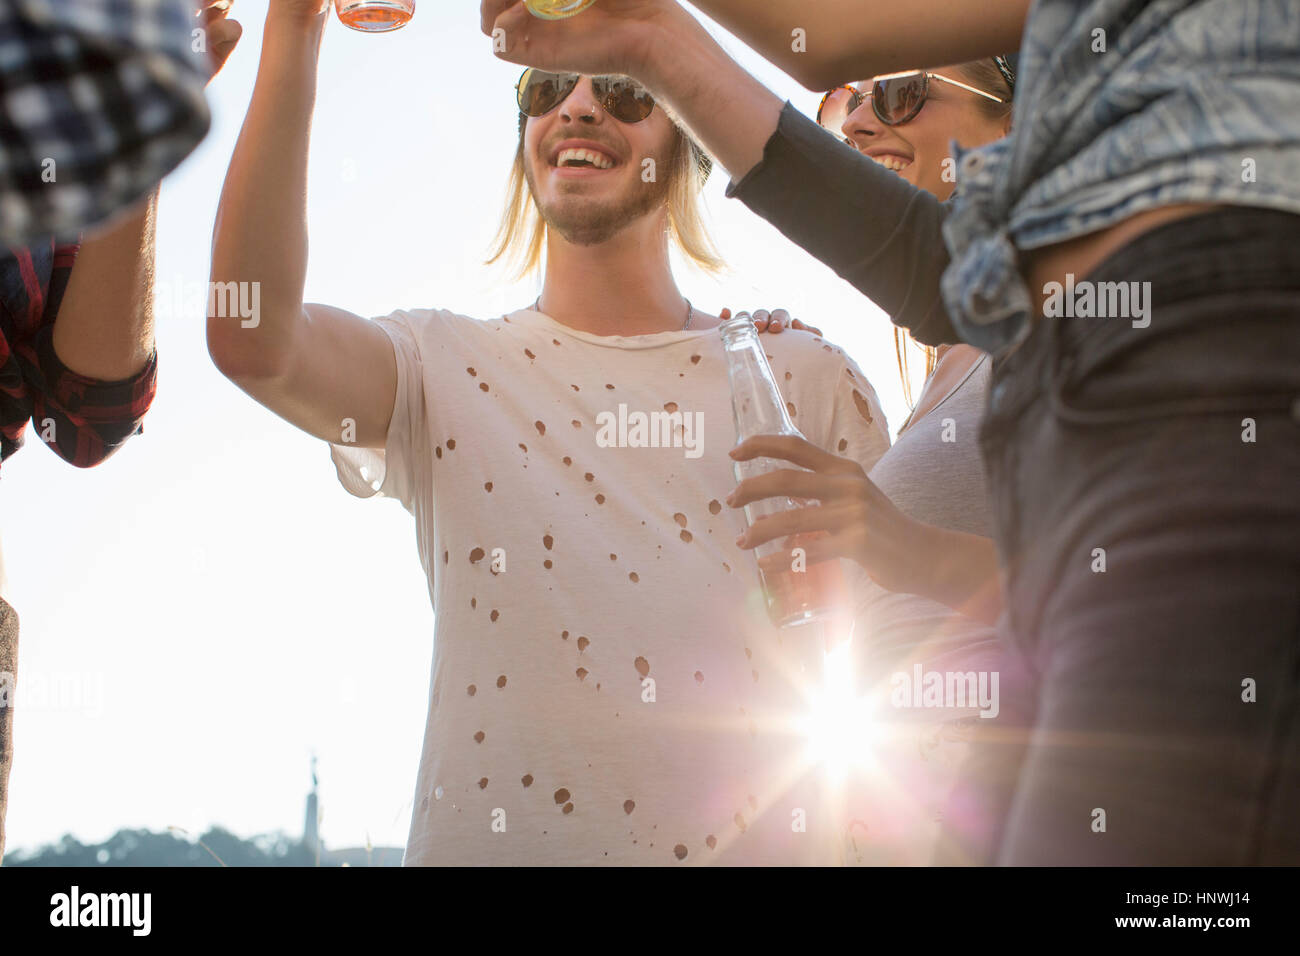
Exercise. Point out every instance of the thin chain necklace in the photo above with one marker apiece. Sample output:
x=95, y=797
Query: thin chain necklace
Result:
x=690, y=311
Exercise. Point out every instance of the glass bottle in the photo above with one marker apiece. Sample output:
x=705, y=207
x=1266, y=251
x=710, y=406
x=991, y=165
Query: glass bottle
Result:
x=799, y=593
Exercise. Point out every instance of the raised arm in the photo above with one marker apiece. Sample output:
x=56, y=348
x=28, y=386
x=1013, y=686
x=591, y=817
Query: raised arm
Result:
x=315, y=366
x=845, y=41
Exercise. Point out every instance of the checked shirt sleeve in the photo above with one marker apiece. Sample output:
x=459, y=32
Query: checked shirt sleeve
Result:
x=83, y=420
x=99, y=99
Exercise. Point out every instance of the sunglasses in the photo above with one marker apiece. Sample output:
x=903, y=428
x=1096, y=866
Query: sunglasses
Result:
x=896, y=98
x=623, y=98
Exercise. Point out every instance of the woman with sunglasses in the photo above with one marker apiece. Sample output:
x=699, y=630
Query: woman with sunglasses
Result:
x=1142, y=459
x=928, y=540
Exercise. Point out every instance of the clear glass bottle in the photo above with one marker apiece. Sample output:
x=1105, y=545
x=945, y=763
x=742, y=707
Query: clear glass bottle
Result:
x=375, y=16
x=801, y=593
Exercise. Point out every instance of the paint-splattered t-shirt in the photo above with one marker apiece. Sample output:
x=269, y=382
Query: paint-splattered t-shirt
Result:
x=606, y=686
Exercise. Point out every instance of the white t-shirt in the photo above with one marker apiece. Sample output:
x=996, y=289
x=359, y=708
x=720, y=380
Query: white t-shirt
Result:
x=606, y=686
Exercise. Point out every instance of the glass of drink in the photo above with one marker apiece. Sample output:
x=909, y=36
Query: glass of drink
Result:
x=375, y=16
x=556, y=9
x=796, y=592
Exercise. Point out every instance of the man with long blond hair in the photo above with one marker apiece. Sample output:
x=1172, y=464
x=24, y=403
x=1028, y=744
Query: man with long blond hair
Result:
x=604, y=678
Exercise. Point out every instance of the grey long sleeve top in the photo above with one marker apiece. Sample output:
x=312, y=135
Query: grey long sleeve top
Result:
x=877, y=231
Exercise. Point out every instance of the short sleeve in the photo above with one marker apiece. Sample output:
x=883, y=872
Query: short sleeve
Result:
x=391, y=472
x=858, y=428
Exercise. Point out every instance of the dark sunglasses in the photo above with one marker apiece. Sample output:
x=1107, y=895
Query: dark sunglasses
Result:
x=623, y=98
x=896, y=98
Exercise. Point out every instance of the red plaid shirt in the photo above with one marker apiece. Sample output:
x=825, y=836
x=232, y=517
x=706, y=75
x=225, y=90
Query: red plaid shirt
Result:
x=82, y=419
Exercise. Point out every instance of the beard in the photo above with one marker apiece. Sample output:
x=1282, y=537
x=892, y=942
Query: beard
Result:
x=585, y=221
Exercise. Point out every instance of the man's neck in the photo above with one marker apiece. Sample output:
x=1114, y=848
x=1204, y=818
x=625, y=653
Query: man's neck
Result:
x=623, y=286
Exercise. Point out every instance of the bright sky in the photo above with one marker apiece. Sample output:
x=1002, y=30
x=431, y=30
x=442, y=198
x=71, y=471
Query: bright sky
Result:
x=209, y=607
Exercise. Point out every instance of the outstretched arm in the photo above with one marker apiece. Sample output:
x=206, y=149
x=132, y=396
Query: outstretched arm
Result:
x=315, y=366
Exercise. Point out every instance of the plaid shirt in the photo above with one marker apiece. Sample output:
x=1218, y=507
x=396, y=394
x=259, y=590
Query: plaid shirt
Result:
x=99, y=99
x=84, y=420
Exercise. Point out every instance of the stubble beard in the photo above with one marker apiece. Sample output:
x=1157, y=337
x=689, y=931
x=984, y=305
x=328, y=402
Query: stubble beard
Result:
x=584, y=221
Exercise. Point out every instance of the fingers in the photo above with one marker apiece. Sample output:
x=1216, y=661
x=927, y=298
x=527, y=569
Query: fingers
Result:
x=796, y=449
x=490, y=10
x=797, y=324
x=790, y=483
x=762, y=321
x=784, y=524
x=223, y=36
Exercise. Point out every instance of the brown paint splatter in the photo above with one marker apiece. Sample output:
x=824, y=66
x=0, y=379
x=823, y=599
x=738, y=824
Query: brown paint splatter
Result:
x=524, y=447
x=634, y=577
x=471, y=371
x=600, y=500
x=567, y=460
x=849, y=373
x=562, y=796
x=583, y=642
x=582, y=673
x=478, y=737
x=629, y=806
x=699, y=677
x=740, y=821
x=547, y=564
x=482, y=783
x=473, y=603
x=788, y=376
x=844, y=443
x=471, y=690
x=608, y=386
x=451, y=444
x=715, y=506
x=437, y=452
x=476, y=555
x=575, y=388
x=589, y=476
x=446, y=556
x=494, y=615
x=555, y=341
x=568, y=808
x=686, y=536
x=526, y=780
x=642, y=666
x=789, y=407
x=529, y=353
x=501, y=681
x=680, y=519
x=575, y=423
x=864, y=409
x=670, y=406
x=695, y=359
x=564, y=635
x=540, y=426
x=712, y=841
x=613, y=557
x=726, y=567
x=487, y=486
x=679, y=851
x=482, y=386
x=547, y=541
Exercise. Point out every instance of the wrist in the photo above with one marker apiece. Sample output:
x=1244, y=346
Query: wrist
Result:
x=671, y=42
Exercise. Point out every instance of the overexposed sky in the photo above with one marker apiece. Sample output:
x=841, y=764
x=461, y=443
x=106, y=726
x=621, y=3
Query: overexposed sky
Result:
x=209, y=607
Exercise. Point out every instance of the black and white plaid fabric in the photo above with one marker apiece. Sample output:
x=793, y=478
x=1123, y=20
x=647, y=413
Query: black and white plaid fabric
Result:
x=99, y=99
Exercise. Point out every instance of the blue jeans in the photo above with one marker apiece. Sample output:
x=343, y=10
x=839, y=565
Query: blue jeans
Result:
x=1152, y=557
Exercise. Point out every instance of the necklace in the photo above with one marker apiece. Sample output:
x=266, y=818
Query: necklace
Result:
x=690, y=311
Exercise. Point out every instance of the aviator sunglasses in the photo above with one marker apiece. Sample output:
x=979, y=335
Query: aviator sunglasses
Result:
x=896, y=98
x=623, y=98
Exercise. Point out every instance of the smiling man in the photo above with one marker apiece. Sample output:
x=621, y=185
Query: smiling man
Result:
x=606, y=687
